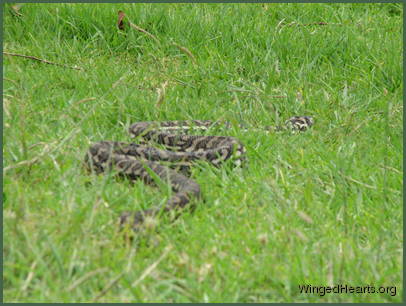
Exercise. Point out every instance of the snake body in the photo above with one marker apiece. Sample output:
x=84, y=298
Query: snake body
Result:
x=143, y=161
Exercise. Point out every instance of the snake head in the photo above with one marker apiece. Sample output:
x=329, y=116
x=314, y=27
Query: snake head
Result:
x=300, y=123
x=139, y=221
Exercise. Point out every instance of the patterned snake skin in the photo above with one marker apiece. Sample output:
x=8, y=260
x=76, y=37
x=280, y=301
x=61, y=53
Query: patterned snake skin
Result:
x=141, y=161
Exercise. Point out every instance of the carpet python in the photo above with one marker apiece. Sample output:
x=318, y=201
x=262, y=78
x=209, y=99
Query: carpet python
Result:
x=143, y=161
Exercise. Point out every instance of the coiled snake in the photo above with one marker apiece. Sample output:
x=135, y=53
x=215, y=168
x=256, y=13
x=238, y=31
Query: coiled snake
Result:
x=136, y=161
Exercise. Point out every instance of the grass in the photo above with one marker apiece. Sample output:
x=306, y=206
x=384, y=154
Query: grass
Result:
x=320, y=208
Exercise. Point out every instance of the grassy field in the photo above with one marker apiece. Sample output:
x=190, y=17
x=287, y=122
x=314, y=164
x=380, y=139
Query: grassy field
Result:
x=322, y=208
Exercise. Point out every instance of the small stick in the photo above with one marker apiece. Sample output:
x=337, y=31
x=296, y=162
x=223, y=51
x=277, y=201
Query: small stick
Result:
x=316, y=23
x=121, y=26
x=139, y=29
x=41, y=60
x=321, y=23
x=186, y=51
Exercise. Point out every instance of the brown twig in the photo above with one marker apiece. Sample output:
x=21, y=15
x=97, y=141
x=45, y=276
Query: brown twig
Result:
x=120, y=25
x=139, y=29
x=41, y=60
x=321, y=23
x=186, y=51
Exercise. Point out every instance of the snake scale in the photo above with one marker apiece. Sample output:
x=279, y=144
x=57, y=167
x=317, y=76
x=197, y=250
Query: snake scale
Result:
x=143, y=161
